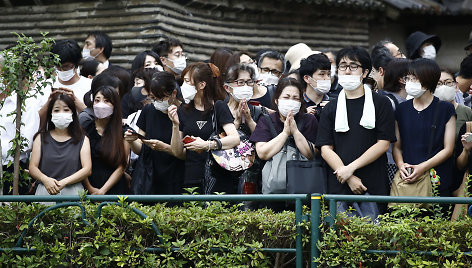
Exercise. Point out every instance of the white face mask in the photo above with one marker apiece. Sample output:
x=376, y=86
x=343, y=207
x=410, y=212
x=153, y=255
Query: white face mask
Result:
x=161, y=105
x=286, y=106
x=179, y=65
x=86, y=54
x=322, y=86
x=268, y=79
x=65, y=75
x=445, y=93
x=349, y=82
x=157, y=67
x=61, y=120
x=242, y=93
x=188, y=92
x=333, y=71
x=429, y=52
x=414, y=89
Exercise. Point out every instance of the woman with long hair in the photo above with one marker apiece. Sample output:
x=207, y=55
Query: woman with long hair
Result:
x=109, y=151
x=60, y=159
x=193, y=121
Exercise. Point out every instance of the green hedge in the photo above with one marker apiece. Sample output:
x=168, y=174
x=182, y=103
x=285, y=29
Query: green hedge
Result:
x=119, y=236
x=406, y=230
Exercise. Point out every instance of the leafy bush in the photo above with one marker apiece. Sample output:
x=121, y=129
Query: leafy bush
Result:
x=405, y=230
x=119, y=237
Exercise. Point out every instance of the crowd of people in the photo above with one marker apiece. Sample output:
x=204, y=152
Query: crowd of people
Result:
x=161, y=126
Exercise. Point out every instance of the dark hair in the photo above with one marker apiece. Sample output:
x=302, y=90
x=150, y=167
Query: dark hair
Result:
x=74, y=129
x=448, y=71
x=208, y=73
x=102, y=40
x=427, y=71
x=146, y=74
x=139, y=60
x=381, y=56
x=236, y=58
x=124, y=78
x=311, y=64
x=103, y=79
x=233, y=72
x=112, y=149
x=272, y=55
x=220, y=57
x=68, y=51
x=395, y=70
x=162, y=84
x=283, y=83
x=465, y=70
x=89, y=67
x=164, y=47
x=296, y=72
x=358, y=54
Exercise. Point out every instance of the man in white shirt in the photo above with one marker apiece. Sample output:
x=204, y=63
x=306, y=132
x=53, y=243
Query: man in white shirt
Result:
x=98, y=46
x=68, y=81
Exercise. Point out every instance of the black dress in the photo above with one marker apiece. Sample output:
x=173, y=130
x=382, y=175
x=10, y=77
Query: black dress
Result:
x=168, y=171
x=101, y=171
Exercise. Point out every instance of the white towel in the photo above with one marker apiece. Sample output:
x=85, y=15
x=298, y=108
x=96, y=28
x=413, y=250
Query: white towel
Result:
x=368, y=114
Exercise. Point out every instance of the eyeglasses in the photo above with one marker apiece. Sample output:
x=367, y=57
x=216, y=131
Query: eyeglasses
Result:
x=448, y=82
x=410, y=78
x=272, y=71
x=242, y=82
x=66, y=67
x=352, y=67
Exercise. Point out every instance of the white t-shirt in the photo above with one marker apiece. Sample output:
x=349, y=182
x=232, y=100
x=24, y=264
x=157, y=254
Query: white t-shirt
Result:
x=80, y=87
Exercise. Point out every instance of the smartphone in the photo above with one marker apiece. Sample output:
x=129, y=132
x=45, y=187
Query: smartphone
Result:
x=188, y=139
x=468, y=138
x=254, y=103
x=137, y=134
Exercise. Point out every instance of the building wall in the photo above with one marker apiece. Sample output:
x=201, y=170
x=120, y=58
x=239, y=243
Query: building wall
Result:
x=200, y=25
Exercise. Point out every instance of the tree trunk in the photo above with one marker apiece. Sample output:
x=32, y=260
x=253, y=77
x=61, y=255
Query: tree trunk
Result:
x=16, y=163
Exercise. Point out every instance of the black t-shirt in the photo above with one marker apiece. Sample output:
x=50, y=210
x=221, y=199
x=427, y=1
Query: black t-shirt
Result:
x=199, y=124
x=168, y=170
x=352, y=144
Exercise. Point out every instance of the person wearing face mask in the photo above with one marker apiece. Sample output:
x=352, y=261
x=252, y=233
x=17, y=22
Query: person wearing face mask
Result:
x=335, y=87
x=239, y=84
x=289, y=120
x=155, y=125
x=60, y=159
x=380, y=58
x=355, y=132
x=421, y=45
x=315, y=74
x=108, y=149
x=172, y=55
x=98, y=47
x=192, y=122
x=425, y=128
x=446, y=91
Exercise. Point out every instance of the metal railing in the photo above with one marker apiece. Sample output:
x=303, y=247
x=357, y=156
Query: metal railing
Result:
x=315, y=215
x=332, y=199
x=74, y=200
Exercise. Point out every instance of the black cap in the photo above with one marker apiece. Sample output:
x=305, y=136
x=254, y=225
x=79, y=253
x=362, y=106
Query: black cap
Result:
x=416, y=39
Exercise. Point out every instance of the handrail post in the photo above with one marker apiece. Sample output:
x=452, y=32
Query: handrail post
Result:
x=299, y=244
x=315, y=227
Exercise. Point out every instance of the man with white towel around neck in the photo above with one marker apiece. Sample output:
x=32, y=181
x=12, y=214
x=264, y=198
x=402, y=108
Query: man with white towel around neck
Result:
x=355, y=130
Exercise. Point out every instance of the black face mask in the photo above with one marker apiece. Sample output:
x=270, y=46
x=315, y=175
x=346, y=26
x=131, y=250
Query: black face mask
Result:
x=137, y=97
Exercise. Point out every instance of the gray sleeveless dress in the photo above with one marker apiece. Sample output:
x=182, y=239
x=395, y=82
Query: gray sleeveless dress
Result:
x=60, y=160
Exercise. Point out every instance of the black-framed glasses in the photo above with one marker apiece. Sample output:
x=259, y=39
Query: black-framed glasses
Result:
x=272, y=71
x=242, y=82
x=448, y=82
x=351, y=66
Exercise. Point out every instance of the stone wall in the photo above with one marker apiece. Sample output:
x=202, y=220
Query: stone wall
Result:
x=201, y=25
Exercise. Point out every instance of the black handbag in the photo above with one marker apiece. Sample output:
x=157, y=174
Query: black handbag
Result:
x=307, y=176
x=142, y=178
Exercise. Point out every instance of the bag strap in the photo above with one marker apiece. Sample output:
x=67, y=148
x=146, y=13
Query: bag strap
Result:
x=433, y=128
x=214, y=121
x=271, y=125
